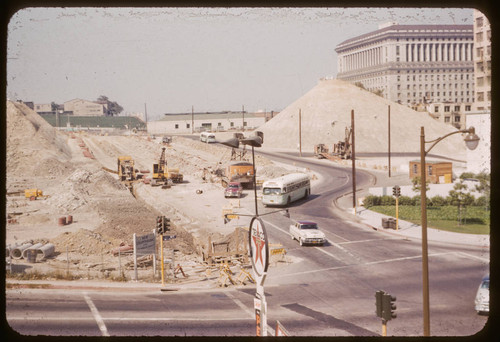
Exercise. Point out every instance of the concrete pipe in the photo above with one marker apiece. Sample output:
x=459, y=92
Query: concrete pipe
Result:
x=35, y=246
x=46, y=250
x=17, y=252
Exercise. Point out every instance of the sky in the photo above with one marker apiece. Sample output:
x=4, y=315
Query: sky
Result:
x=173, y=60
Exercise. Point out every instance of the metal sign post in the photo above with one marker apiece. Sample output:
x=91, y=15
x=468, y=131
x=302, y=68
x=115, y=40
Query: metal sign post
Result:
x=259, y=253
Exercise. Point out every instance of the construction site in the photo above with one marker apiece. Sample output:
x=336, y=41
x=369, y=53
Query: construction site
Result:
x=84, y=195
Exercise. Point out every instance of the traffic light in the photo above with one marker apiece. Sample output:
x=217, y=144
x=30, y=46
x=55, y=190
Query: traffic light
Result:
x=396, y=191
x=378, y=303
x=166, y=224
x=159, y=224
x=388, y=307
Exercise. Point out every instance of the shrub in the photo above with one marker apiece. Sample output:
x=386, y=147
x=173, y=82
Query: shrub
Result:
x=387, y=200
x=405, y=200
x=371, y=201
x=437, y=201
x=481, y=202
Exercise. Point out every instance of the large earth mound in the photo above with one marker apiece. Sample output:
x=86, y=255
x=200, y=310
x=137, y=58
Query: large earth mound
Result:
x=326, y=112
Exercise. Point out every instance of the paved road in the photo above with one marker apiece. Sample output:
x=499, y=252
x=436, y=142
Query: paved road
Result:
x=326, y=291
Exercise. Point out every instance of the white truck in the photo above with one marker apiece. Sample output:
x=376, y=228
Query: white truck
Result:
x=307, y=232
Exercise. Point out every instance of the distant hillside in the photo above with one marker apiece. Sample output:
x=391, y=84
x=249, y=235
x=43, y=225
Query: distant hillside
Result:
x=326, y=112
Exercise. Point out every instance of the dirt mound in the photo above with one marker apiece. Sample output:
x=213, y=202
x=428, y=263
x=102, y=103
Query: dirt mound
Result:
x=326, y=112
x=34, y=146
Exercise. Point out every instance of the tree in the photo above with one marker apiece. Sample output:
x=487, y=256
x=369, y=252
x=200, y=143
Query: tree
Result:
x=113, y=107
x=461, y=198
x=484, y=186
x=417, y=181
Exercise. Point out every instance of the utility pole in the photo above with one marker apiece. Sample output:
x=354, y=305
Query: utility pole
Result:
x=243, y=112
x=192, y=119
x=389, y=138
x=353, y=159
x=300, y=132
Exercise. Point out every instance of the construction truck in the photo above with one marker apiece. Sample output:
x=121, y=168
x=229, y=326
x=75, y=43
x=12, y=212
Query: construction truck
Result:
x=126, y=169
x=320, y=151
x=343, y=148
x=165, y=176
x=33, y=194
x=239, y=171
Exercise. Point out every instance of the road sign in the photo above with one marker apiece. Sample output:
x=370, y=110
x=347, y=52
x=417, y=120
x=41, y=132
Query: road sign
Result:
x=145, y=244
x=259, y=249
x=169, y=237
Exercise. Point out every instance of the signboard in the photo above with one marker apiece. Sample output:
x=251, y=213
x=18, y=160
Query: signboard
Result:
x=145, y=244
x=169, y=237
x=259, y=248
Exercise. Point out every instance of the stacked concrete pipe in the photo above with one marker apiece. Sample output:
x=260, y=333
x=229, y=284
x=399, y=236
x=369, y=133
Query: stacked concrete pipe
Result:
x=17, y=252
x=35, y=247
x=46, y=250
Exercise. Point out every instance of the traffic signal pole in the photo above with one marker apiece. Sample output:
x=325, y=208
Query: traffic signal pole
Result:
x=162, y=262
x=384, y=327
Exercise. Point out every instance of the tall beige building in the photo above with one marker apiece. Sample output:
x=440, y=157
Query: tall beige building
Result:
x=412, y=64
x=482, y=61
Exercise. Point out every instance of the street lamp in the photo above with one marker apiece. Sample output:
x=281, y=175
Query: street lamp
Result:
x=471, y=141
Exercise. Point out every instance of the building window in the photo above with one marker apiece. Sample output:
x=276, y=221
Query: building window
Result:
x=415, y=169
x=176, y=126
x=447, y=119
x=232, y=124
x=457, y=108
x=447, y=109
x=188, y=125
x=457, y=118
x=429, y=170
x=467, y=108
x=436, y=109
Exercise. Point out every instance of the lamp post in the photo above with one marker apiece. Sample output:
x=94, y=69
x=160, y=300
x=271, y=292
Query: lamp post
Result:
x=471, y=141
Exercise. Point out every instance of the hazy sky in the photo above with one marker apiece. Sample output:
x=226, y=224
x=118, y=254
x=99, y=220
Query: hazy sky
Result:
x=172, y=59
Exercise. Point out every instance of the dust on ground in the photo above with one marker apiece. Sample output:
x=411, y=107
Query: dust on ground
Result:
x=70, y=168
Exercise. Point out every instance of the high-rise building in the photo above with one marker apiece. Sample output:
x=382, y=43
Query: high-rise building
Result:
x=482, y=61
x=412, y=64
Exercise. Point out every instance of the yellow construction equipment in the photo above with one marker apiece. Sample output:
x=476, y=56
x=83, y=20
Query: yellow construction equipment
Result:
x=33, y=194
x=165, y=176
x=126, y=170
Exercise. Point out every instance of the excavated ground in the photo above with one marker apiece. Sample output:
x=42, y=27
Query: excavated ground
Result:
x=105, y=213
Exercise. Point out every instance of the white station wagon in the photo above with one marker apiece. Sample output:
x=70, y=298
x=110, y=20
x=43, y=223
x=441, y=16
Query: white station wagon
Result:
x=307, y=232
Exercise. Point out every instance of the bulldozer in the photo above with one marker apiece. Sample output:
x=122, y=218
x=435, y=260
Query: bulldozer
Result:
x=320, y=151
x=164, y=176
x=343, y=148
x=126, y=170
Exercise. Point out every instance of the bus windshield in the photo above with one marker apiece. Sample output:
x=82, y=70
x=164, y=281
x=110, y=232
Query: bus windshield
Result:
x=271, y=191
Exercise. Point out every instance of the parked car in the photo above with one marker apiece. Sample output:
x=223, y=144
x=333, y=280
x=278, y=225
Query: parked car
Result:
x=482, y=301
x=307, y=232
x=233, y=189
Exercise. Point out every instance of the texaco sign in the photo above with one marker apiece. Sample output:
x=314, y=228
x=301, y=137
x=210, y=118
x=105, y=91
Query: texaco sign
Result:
x=259, y=249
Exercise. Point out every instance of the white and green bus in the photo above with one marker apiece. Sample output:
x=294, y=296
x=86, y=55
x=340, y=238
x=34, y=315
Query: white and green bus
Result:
x=286, y=189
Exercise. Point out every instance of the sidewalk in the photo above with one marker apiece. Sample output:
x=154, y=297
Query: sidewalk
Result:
x=405, y=228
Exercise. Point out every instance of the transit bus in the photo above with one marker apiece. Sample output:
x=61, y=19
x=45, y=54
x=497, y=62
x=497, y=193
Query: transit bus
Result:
x=286, y=189
x=207, y=137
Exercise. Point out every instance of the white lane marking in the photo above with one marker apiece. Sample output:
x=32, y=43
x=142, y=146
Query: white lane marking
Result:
x=362, y=264
x=327, y=253
x=467, y=255
x=368, y=240
x=97, y=315
x=238, y=302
